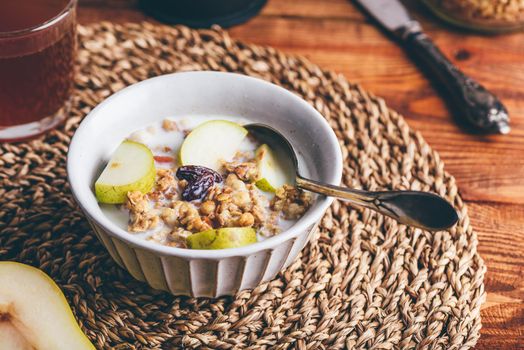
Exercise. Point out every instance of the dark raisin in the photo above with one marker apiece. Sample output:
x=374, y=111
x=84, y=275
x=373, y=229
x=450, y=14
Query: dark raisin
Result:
x=193, y=172
x=199, y=180
x=198, y=189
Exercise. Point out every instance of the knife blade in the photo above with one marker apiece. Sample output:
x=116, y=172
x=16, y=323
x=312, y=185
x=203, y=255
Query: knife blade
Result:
x=473, y=103
x=390, y=13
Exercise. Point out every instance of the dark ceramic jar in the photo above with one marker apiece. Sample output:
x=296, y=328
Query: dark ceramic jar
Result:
x=203, y=13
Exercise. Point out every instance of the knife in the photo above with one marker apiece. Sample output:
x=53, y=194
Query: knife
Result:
x=481, y=108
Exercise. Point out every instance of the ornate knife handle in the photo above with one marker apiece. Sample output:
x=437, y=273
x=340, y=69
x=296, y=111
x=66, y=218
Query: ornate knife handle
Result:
x=476, y=104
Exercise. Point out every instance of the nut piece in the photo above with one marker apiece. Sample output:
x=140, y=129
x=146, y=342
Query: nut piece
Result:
x=241, y=199
x=233, y=181
x=169, y=125
x=224, y=197
x=207, y=208
x=246, y=220
x=197, y=225
x=169, y=216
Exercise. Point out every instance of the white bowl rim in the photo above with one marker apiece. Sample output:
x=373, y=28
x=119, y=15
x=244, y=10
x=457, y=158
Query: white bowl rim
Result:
x=300, y=227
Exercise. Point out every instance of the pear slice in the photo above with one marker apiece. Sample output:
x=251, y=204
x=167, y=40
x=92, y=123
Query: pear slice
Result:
x=222, y=238
x=271, y=170
x=34, y=314
x=212, y=142
x=131, y=168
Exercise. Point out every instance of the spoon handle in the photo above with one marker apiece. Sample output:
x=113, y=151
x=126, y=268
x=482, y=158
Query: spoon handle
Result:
x=414, y=208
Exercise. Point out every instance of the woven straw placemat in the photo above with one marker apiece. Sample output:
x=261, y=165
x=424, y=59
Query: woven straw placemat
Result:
x=362, y=282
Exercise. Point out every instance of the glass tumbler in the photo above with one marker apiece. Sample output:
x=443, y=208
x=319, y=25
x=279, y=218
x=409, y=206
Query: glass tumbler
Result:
x=37, y=54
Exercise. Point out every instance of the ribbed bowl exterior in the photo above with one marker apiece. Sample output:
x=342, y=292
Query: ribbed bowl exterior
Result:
x=198, y=277
x=184, y=271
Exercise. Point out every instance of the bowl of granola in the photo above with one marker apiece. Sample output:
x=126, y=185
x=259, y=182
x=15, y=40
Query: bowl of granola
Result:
x=184, y=197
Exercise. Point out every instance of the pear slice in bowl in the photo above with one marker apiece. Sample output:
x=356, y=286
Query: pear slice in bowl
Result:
x=212, y=142
x=222, y=238
x=131, y=168
x=271, y=170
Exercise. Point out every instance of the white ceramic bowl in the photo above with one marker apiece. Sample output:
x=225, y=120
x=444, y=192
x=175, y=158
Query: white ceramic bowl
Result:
x=208, y=273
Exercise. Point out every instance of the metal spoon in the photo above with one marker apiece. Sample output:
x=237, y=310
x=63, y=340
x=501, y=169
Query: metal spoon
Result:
x=414, y=208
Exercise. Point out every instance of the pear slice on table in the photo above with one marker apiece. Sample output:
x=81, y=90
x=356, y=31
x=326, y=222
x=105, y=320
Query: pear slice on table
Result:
x=212, y=142
x=222, y=238
x=131, y=168
x=34, y=314
x=271, y=170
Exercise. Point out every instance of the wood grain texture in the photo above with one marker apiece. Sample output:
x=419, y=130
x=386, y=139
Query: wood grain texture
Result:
x=489, y=169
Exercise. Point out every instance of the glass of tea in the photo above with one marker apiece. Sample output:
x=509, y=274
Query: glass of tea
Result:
x=37, y=54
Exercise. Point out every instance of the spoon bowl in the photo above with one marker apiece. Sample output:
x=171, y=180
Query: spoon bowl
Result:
x=424, y=210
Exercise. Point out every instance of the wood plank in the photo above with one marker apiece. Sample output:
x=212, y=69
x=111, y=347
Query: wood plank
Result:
x=89, y=15
x=502, y=328
x=500, y=229
x=313, y=8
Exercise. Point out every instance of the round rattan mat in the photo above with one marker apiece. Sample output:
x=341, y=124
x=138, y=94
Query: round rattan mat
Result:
x=362, y=282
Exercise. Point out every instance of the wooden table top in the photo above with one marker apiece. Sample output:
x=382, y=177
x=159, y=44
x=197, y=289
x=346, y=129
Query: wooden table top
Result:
x=489, y=169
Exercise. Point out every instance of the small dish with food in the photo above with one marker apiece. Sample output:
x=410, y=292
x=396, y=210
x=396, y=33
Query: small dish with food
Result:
x=183, y=197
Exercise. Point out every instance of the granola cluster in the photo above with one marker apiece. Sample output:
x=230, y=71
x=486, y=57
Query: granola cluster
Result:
x=291, y=201
x=141, y=218
x=233, y=202
x=237, y=202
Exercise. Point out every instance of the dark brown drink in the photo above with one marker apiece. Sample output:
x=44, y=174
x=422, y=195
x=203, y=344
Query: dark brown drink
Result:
x=37, y=46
